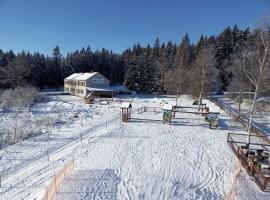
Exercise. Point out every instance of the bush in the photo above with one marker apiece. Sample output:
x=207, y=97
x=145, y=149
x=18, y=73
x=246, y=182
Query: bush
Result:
x=21, y=97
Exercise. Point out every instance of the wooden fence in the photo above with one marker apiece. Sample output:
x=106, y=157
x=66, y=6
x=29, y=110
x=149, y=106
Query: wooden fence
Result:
x=141, y=110
x=234, y=114
x=57, y=180
x=149, y=109
x=261, y=177
x=113, y=99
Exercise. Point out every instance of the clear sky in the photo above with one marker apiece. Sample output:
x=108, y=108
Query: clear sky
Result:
x=40, y=25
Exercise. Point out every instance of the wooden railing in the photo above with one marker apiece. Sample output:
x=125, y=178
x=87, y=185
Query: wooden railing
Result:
x=149, y=109
x=262, y=178
x=234, y=114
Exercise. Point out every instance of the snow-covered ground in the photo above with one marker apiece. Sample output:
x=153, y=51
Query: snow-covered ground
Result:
x=135, y=160
x=261, y=116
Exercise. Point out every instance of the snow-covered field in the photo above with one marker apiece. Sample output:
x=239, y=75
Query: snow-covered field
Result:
x=135, y=160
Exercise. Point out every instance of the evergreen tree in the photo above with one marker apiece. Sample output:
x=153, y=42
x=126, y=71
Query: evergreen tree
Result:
x=159, y=69
x=54, y=67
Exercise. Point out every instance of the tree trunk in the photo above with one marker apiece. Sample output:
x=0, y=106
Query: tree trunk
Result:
x=16, y=124
x=177, y=95
x=240, y=101
x=202, y=88
x=252, y=114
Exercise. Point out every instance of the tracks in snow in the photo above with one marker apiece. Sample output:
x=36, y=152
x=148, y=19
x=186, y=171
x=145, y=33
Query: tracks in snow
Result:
x=55, y=149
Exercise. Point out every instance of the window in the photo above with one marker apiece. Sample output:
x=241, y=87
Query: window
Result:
x=97, y=81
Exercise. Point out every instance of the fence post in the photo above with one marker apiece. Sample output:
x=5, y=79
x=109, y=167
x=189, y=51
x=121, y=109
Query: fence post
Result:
x=264, y=183
x=81, y=120
x=48, y=155
x=251, y=169
x=55, y=187
x=65, y=172
x=81, y=136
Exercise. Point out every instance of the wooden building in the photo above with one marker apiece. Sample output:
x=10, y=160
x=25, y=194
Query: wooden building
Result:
x=82, y=84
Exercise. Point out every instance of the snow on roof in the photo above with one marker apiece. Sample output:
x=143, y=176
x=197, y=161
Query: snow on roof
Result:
x=85, y=76
x=109, y=89
x=167, y=106
x=80, y=76
x=126, y=105
x=72, y=76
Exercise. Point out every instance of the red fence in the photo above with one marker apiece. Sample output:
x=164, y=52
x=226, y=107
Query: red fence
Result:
x=232, y=194
x=57, y=180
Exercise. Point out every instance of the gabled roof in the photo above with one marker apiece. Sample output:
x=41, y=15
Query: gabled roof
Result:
x=80, y=76
x=85, y=76
x=72, y=76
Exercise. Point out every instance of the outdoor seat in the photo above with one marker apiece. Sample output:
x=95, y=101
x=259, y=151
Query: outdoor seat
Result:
x=265, y=166
x=259, y=152
x=251, y=152
x=265, y=154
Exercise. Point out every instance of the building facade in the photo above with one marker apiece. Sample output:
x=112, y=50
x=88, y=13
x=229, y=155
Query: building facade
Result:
x=77, y=84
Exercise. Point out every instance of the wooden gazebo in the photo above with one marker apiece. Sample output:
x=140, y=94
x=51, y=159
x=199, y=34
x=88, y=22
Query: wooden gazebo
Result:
x=126, y=111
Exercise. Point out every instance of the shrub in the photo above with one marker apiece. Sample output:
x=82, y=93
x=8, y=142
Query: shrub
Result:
x=20, y=97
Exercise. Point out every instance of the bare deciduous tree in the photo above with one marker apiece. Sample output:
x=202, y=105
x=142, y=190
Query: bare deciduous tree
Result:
x=255, y=64
x=205, y=71
x=239, y=83
x=19, y=97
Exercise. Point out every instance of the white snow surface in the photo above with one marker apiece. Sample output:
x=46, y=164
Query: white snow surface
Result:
x=84, y=76
x=261, y=116
x=135, y=160
x=72, y=76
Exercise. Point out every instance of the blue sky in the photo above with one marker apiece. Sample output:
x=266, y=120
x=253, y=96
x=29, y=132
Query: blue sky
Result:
x=39, y=25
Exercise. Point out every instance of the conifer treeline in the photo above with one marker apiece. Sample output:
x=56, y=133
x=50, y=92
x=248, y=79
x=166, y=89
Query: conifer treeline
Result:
x=161, y=68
